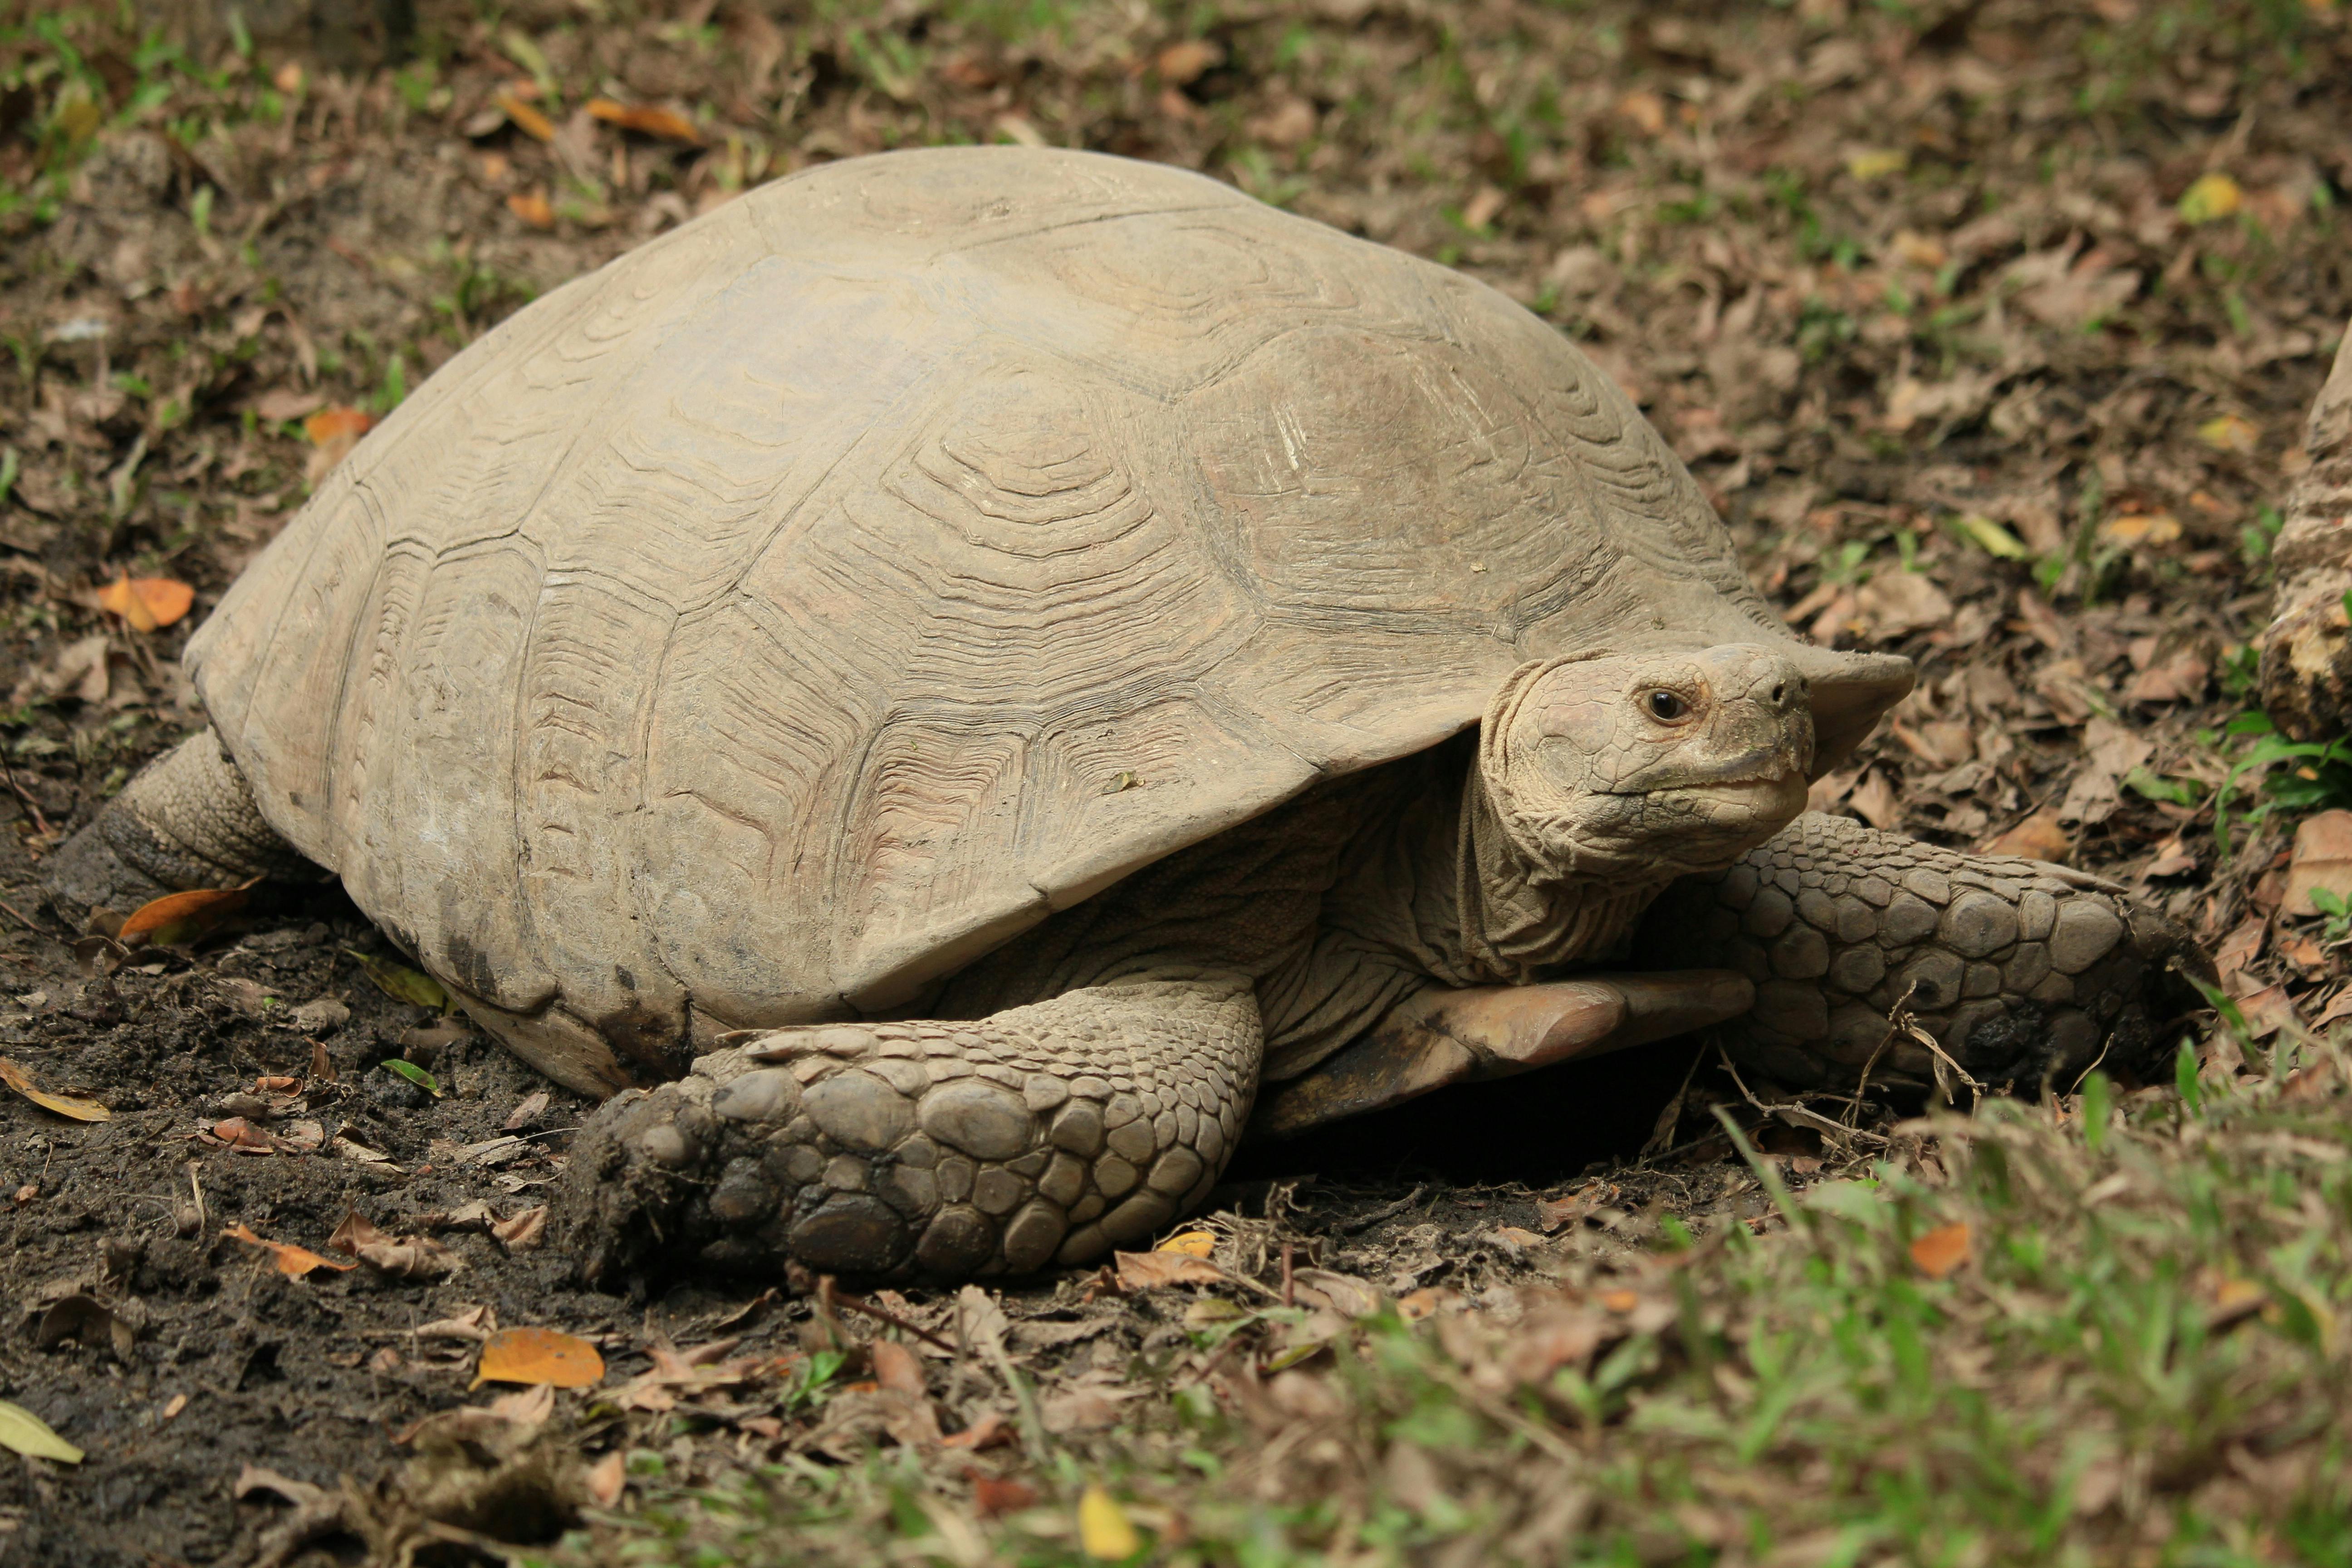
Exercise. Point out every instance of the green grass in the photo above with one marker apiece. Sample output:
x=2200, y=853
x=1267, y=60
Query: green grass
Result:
x=2140, y=1360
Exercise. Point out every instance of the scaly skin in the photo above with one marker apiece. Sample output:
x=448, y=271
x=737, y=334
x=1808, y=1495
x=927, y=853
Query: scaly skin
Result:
x=2024, y=971
x=188, y=820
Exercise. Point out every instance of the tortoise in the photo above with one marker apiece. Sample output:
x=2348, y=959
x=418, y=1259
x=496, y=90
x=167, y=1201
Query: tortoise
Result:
x=993, y=662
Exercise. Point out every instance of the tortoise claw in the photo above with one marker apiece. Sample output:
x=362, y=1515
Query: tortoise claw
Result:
x=1442, y=1036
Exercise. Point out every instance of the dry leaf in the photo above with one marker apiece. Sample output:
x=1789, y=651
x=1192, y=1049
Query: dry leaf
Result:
x=1105, y=1532
x=146, y=603
x=530, y=121
x=532, y=207
x=647, y=120
x=1876, y=162
x=606, y=1478
x=71, y=1105
x=895, y=1367
x=995, y=1495
x=339, y=423
x=523, y=1231
x=2141, y=529
x=538, y=1355
x=1152, y=1270
x=2322, y=861
x=1874, y=802
x=992, y=1430
x=2041, y=836
x=1182, y=63
x=1191, y=1244
x=182, y=920
x=292, y=1261
x=1942, y=1249
x=1644, y=108
x=534, y=1106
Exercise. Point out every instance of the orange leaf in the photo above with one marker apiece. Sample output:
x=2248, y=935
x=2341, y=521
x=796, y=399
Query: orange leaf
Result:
x=1190, y=1244
x=538, y=1355
x=177, y=920
x=340, y=420
x=994, y=1495
x=292, y=1261
x=1152, y=1270
x=647, y=120
x=532, y=207
x=147, y=603
x=531, y=120
x=71, y=1105
x=1942, y=1249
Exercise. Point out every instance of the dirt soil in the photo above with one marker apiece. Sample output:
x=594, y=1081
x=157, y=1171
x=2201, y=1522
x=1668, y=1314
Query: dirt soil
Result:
x=1988, y=326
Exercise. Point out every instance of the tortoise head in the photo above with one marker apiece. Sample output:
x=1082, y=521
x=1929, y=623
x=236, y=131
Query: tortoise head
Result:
x=1648, y=766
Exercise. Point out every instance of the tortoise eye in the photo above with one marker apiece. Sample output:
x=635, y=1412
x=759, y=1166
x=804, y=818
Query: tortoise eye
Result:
x=1666, y=705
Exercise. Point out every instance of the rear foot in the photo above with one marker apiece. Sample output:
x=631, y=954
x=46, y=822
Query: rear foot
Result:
x=2024, y=972
x=188, y=820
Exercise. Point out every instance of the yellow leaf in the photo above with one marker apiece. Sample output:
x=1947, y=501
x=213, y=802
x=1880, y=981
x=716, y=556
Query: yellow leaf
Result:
x=292, y=1261
x=177, y=920
x=2229, y=433
x=1192, y=1244
x=529, y=119
x=1990, y=536
x=2214, y=195
x=71, y=1105
x=647, y=120
x=2141, y=529
x=1104, y=1530
x=1942, y=1249
x=538, y=1355
x=1876, y=162
x=340, y=420
x=27, y=1433
x=147, y=603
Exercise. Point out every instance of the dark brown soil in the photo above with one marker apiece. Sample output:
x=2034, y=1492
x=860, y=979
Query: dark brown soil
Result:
x=1874, y=271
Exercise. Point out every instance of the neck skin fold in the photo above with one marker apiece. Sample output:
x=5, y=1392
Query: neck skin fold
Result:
x=1517, y=922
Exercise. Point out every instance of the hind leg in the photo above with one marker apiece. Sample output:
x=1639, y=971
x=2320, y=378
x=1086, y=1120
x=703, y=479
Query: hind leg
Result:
x=2021, y=971
x=1051, y=1131
x=188, y=820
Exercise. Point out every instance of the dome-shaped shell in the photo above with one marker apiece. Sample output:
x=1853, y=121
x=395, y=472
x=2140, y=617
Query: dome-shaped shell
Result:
x=778, y=618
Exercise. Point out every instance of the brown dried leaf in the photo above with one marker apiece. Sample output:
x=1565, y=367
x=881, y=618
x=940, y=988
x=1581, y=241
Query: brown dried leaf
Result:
x=1940, y=1251
x=182, y=919
x=73, y=1105
x=1155, y=1270
x=2041, y=836
x=529, y=121
x=2322, y=861
x=524, y=1231
x=647, y=120
x=606, y=1478
x=146, y=603
x=292, y=1261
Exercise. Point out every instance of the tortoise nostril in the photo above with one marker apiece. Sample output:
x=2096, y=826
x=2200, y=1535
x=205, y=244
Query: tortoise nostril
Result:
x=1779, y=692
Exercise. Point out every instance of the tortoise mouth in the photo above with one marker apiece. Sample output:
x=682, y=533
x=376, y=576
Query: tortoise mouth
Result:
x=1764, y=768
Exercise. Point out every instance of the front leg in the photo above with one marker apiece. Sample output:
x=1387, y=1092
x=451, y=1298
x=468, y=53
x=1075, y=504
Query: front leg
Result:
x=1049, y=1132
x=2023, y=972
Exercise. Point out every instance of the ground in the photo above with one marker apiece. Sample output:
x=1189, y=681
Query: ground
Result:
x=1988, y=326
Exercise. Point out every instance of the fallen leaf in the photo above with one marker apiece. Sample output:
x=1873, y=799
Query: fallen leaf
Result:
x=1876, y=162
x=412, y=1073
x=281, y=403
x=2229, y=433
x=538, y=1355
x=532, y=207
x=523, y=1231
x=1153, y=1270
x=1105, y=1531
x=606, y=1478
x=1942, y=1249
x=29, y=1435
x=1873, y=800
x=2141, y=529
x=534, y=1106
x=2212, y=196
x=1897, y=603
x=895, y=1367
x=292, y=1261
x=2322, y=861
x=173, y=1406
x=1644, y=108
x=646, y=120
x=237, y=1132
x=2041, y=836
x=1990, y=536
x=530, y=121
x=1191, y=1244
x=182, y=920
x=402, y=984
x=88, y=1320
x=2239, y=950
x=992, y=1430
x=339, y=421
x=996, y=1495
x=71, y=1105
x=146, y=603
x=1182, y=63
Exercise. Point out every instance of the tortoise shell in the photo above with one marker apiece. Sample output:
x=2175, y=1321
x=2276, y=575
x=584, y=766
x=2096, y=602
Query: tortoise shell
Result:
x=774, y=620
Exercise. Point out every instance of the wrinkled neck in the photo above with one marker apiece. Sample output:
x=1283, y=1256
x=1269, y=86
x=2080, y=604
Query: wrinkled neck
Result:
x=1516, y=919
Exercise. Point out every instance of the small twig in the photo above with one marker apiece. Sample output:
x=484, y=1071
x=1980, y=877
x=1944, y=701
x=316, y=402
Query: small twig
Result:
x=1386, y=1211
x=22, y=919
x=203, y=1220
x=1898, y=1019
x=832, y=1297
x=1289, y=1284
x=40, y=823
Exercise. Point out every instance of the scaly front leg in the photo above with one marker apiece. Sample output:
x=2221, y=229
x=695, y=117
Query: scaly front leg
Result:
x=1049, y=1132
